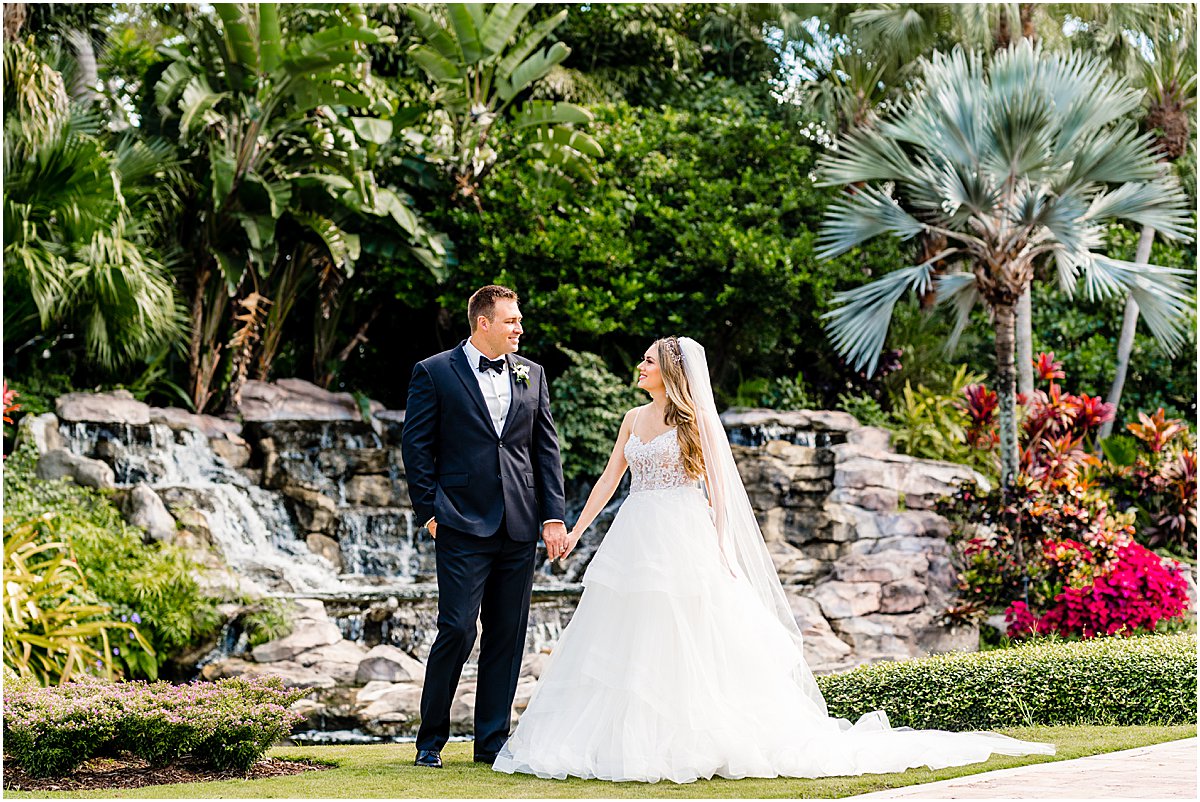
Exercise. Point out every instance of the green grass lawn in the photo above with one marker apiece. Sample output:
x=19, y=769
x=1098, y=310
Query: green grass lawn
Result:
x=386, y=770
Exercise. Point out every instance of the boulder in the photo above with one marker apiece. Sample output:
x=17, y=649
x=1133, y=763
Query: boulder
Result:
x=462, y=709
x=870, y=438
x=823, y=650
x=881, y=566
x=795, y=420
x=117, y=406
x=902, y=596
x=235, y=453
x=42, y=430
x=296, y=399
x=62, y=464
x=370, y=490
x=293, y=674
x=144, y=508
x=196, y=522
x=847, y=599
x=385, y=708
x=307, y=635
x=385, y=662
x=878, y=637
x=372, y=691
x=309, y=610
x=182, y=420
x=338, y=660
x=525, y=688
x=315, y=512
x=326, y=547
x=793, y=565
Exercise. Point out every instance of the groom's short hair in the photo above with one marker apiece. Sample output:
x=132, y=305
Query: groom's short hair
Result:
x=483, y=302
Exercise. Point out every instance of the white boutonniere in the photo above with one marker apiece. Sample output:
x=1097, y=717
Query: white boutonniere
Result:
x=521, y=372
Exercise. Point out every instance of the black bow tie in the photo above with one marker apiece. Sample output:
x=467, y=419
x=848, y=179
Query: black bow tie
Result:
x=486, y=364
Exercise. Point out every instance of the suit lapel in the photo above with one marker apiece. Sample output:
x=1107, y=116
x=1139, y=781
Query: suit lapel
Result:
x=517, y=391
x=458, y=360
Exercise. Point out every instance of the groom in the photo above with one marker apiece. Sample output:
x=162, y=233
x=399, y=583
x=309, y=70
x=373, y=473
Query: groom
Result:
x=482, y=461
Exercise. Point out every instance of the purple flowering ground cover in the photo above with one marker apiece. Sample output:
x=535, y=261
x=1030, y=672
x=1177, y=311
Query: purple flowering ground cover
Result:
x=226, y=725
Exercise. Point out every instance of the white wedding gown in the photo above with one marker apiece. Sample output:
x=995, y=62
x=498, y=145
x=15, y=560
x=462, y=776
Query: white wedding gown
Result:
x=672, y=669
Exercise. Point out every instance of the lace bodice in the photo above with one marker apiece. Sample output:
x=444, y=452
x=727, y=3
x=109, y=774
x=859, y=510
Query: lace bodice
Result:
x=656, y=465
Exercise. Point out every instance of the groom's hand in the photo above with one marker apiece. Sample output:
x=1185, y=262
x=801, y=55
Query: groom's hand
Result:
x=432, y=527
x=554, y=534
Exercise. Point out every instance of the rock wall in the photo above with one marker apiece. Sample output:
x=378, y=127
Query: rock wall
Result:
x=302, y=497
x=858, y=549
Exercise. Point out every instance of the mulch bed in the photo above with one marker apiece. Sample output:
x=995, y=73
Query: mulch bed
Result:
x=131, y=772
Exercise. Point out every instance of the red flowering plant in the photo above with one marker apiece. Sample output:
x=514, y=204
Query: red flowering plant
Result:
x=1153, y=472
x=1055, y=552
x=10, y=396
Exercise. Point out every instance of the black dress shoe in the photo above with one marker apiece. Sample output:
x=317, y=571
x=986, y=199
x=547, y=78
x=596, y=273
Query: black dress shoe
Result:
x=488, y=759
x=429, y=758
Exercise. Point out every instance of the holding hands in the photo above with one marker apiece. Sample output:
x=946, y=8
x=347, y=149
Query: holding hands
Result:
x=559, y=542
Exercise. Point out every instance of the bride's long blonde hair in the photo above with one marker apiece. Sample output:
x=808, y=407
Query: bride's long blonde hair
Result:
x=681, y=410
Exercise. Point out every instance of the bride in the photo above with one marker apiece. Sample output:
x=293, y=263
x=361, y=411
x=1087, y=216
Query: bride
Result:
x=683, y=659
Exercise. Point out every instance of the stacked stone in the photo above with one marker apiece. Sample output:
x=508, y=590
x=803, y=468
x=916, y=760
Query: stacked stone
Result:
x=861, y=555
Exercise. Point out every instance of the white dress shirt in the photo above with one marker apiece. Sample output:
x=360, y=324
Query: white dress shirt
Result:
x=497, y=392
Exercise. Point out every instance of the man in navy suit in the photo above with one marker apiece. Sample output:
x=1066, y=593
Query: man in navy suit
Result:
x=483, y=469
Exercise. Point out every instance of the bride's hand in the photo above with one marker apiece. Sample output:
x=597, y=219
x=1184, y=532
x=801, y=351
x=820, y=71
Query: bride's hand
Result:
x=572, y=540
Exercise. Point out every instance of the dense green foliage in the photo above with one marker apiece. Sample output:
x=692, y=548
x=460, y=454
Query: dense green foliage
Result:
x=701, y=224
x=151, y=585
x=1122, y=681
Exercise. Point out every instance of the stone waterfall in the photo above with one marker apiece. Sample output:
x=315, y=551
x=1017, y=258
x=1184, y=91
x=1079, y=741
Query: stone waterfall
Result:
x=305, y=498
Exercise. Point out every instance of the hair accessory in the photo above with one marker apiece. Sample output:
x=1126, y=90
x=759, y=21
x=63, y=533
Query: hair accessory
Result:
x=676, y=353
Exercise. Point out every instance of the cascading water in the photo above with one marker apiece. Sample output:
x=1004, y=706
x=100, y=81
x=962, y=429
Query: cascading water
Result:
x=250, y=526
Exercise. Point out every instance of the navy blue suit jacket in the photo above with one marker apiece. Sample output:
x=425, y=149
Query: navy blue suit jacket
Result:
x=464, y=474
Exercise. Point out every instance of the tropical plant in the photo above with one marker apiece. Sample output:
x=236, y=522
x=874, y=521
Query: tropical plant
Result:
x=1153, y=471
x=1011, y=164
x=53, y=627
x=81, y=250
x=152, y=587
x=282, y=119
x=478, y=73
x=934, y=425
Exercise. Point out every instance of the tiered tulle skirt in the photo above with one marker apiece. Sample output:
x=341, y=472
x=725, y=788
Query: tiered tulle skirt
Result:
x=671, y=669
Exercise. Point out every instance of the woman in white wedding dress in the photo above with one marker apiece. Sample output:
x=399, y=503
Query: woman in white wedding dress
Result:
x=683, y=660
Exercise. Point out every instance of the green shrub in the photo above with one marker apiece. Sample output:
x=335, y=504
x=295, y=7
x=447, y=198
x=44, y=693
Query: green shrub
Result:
x=228, y=724
x=1148, y=680
x=150, y=585
x=865, y=409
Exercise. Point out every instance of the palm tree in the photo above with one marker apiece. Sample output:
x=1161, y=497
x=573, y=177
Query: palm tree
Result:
x=1170, y=80
x=1012, y=164
x=81, y=255
x=479, y=68
x=885, y=43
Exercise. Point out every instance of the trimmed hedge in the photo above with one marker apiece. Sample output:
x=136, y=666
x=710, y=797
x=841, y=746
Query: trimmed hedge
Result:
x=227, y=724
x=1146, y=680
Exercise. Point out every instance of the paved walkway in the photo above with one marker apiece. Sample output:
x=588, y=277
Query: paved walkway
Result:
x=1162, y=771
